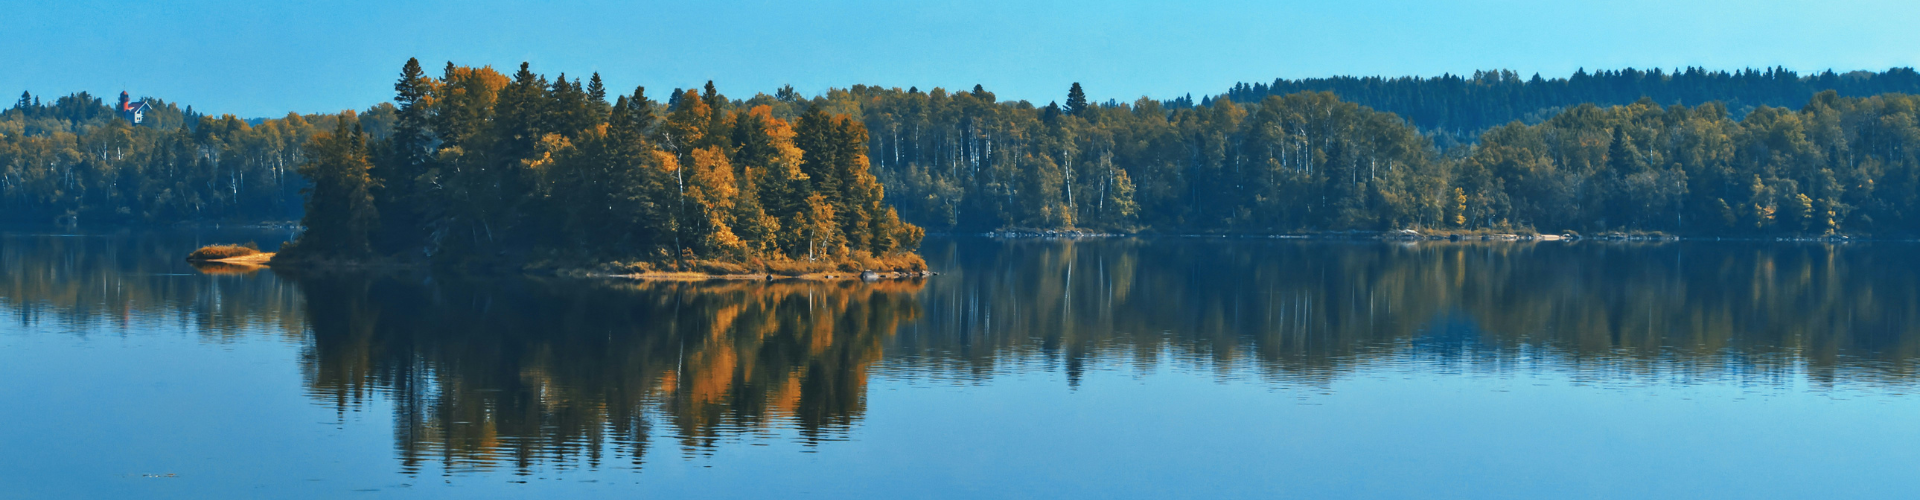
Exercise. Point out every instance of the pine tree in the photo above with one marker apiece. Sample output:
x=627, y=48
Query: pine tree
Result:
x=770, y=164
x=340, y=210
x=404, y=156
x=637, y=189
x=597, y=91
x=572, y=109
x=1076, y=100
x=719, y=131
x=522, y=114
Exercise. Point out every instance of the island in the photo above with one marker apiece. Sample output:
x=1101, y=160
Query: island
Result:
x=484, y=171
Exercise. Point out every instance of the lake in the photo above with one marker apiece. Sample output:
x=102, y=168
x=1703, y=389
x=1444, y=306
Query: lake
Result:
x=1150, y=367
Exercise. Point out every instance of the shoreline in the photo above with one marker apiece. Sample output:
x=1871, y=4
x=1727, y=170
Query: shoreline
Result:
x=825, y=276
x=1616, y=237
x=255, y=259
x=693, y=271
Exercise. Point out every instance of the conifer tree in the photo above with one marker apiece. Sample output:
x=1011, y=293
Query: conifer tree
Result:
x=597, y=91
x=402, y=157
x=719, y=131
x=340, y=210
x=1076, y=100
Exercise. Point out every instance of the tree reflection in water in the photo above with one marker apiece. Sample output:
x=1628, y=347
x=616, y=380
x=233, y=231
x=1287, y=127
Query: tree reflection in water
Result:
x=526, y=371
x=520, y=373
x=1306, y=312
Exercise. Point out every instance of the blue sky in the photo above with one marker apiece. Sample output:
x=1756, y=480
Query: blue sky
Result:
x=263, y=58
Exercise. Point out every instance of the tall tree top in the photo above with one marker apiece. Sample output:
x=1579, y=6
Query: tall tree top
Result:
x=1076, y=100
x=408, y=89
x=595, y=90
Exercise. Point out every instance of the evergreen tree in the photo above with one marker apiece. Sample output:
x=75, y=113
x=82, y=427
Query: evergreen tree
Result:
x=340, y=207
x=403, y=156
x=597, y=91
x=1076, y=100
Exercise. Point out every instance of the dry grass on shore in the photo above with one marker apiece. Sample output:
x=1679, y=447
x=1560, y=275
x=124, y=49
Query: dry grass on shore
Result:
x=849, y=266
x=247, y=255
x=218, y=252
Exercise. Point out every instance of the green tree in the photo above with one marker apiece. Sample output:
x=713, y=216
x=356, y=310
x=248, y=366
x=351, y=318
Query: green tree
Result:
x=1076, y=100
x=340, y=206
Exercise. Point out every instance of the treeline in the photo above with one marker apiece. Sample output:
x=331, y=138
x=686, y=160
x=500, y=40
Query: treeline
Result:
x=1311, y=162
x=1839, y=164
x=1462, y=106
x=483, y=167
x=477, y=164
x=75, y=158
x=965, y=161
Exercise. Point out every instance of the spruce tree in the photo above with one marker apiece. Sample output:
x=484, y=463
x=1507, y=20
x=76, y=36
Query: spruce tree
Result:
x=596, y=91
x=521, y=114
x=340, y=211
x=1076, y=100
x=719, y=123
x=401, y=158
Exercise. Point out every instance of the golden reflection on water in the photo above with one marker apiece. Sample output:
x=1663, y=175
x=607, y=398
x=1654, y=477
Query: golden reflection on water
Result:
x=523, y=372
x=574, y=372
x=223, y=268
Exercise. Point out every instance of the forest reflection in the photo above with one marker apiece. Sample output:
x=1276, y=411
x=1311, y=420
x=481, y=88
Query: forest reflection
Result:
x=118, y=281
x=527, y=371
x=1307, y=311
x=521, y=373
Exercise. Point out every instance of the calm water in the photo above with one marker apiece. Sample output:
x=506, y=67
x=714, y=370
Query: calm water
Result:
x=1108, y=368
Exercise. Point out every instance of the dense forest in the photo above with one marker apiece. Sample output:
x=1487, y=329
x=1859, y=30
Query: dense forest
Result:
x=487, y=168
x=1309, y=161
x=75, y=157
x=477, y=163
x=1460, y=106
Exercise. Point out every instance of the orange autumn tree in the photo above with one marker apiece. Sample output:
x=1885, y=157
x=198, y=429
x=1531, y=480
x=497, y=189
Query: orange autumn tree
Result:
x=491, y=169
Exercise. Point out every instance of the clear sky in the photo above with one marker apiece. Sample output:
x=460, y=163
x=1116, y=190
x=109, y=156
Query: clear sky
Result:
x=265, y=58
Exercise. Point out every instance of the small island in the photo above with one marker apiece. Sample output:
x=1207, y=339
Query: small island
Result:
x=484, y=171
x=229, y=259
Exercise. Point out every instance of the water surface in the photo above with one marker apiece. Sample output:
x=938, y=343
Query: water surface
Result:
x=1183, y=367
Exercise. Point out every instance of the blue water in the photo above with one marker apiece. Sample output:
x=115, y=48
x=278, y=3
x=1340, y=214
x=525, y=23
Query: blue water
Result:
x=1154, y=368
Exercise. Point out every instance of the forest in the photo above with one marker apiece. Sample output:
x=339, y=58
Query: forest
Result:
x=76, y=157
x=482, y=168
x=1310, y=161
x=1462, y=106
x=475, y=164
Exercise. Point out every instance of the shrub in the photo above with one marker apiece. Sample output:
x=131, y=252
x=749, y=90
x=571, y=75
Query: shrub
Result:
x=797, y=267
x=718, y=267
